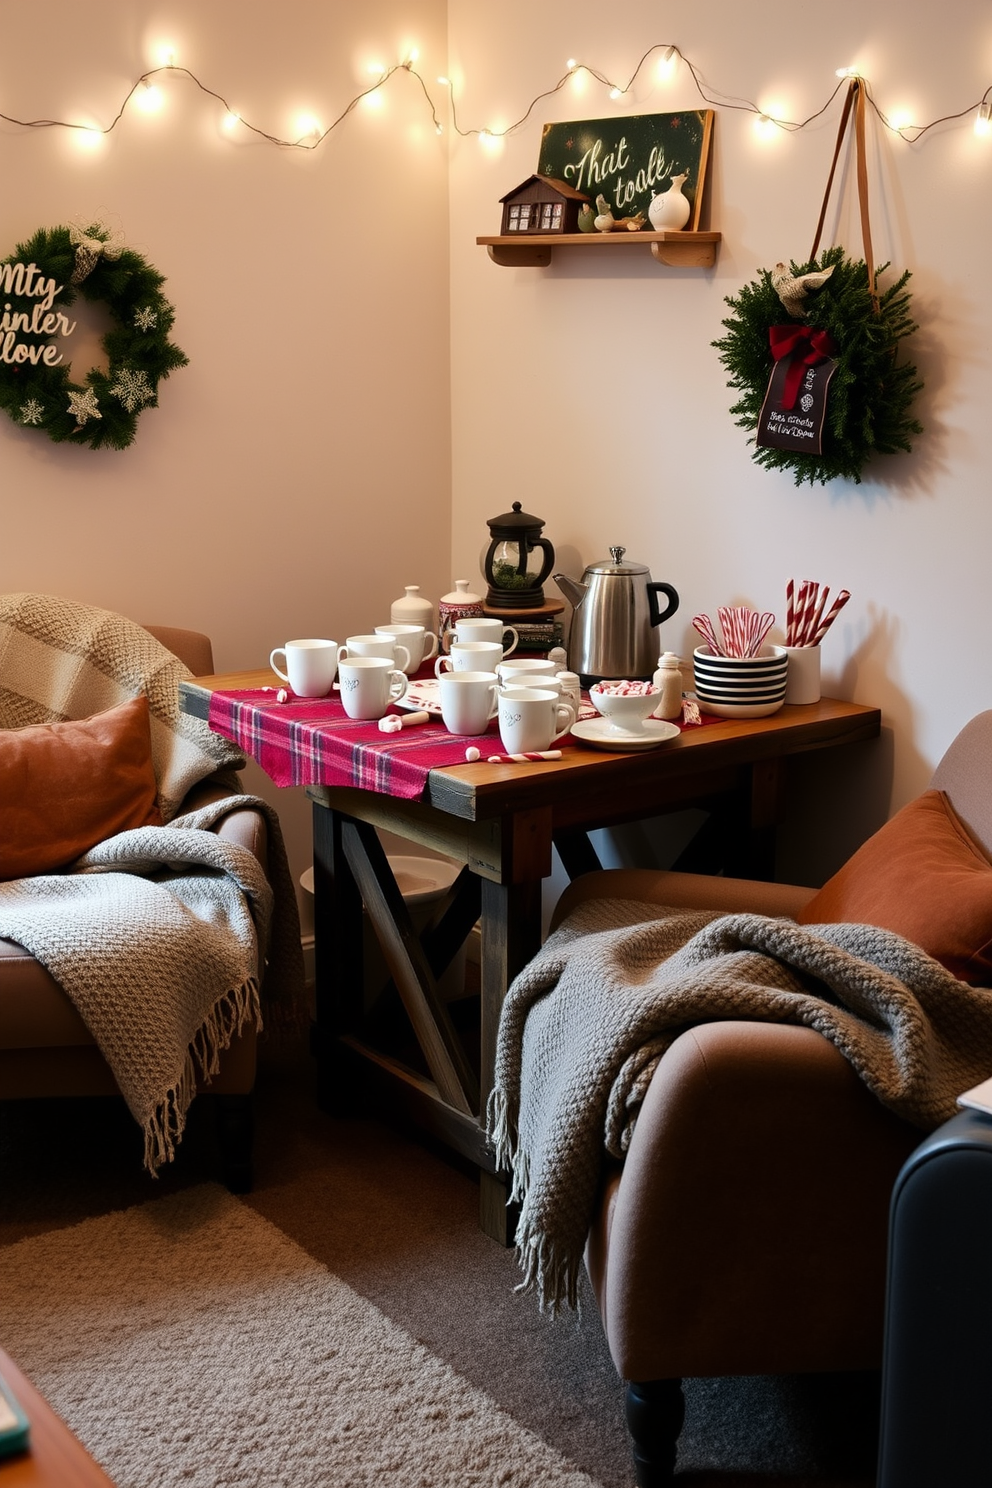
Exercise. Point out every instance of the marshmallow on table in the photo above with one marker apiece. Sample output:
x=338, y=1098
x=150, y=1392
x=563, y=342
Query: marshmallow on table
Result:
x=394, y=722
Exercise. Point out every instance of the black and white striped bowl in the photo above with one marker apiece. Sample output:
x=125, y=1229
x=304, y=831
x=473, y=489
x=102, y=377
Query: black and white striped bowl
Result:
x=740, y=686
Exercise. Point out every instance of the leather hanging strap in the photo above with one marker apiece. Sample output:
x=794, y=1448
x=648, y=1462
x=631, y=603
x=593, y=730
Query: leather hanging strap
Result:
x=855, y=101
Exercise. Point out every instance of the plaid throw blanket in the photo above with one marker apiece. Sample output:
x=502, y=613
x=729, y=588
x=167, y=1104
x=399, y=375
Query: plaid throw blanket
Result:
x=60, y=659
x=585, y=1024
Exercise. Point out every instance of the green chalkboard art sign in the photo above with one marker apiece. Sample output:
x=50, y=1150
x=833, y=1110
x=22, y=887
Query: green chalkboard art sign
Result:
x=629, y=160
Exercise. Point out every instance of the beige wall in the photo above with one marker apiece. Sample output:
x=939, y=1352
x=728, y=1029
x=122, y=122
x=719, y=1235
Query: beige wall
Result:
x=595, y=384
x=329, y=442
x=296, y=474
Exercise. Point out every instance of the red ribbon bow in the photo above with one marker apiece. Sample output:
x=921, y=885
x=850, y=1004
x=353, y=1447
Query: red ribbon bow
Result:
x=806, y=347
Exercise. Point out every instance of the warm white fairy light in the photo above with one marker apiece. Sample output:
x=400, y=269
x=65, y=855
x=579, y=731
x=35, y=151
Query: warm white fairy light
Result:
x=666, y=64
x=148, y=98
x=579, y=76
x=88, y=139
x=307, y=126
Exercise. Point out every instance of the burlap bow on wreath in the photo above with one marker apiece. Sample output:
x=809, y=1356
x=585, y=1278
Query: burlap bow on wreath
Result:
x=821, y=388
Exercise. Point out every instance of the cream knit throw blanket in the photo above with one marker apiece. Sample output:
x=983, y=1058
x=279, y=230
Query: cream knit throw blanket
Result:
x=60, y=659
x=584, y=1026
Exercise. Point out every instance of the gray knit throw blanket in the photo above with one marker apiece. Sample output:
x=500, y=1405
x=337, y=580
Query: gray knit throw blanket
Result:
x=158, y=936
x=585, y=1024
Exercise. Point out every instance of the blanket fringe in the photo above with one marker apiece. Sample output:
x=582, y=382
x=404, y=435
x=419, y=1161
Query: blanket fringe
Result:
x=549, y=1272
x=228, y=1017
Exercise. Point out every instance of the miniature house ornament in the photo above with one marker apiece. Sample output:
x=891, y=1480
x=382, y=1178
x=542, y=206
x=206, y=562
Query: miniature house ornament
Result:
x=542, y=204
x=517, y=561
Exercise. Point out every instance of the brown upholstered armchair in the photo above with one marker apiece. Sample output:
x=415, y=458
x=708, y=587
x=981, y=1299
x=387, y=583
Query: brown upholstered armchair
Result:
x=46, y=1049
x=745, y=1232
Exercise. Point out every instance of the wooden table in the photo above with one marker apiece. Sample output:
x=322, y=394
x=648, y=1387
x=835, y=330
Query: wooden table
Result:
x=501, y=822
x=55, y=1458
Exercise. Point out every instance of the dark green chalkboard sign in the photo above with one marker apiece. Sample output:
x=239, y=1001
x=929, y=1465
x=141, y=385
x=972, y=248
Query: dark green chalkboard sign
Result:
x=629, y=160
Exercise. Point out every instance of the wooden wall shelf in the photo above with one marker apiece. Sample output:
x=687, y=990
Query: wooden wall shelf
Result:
x=679, y=250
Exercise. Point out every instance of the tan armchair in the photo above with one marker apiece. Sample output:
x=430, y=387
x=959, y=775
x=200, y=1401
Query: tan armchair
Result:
x=745, y=1232
x=46, y=1049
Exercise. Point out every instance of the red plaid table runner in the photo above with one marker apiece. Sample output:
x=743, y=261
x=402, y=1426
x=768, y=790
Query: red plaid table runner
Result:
x=312, y=741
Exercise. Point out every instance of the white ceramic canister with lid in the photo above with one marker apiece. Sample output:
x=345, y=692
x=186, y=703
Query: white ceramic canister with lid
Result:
x=413, y=609
x=668, y=680
x=460, y=604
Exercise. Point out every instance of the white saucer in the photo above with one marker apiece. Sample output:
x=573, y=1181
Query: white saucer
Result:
x=597, y=731
x=425, y=694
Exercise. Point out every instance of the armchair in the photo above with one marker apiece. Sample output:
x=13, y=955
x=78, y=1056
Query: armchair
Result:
x=745, y=1230
x=46, y=1049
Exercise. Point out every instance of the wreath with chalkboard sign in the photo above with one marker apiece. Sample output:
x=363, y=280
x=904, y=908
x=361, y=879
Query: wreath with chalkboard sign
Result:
x=821, y=387
x=40, y=281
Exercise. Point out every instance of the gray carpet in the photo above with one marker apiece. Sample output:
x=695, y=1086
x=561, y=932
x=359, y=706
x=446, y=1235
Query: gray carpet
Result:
x=398, y=1225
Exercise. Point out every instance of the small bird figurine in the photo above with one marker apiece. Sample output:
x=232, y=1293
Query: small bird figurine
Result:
x=587, y=218
x=604, y=221
x=791, y=288
x=632, y=224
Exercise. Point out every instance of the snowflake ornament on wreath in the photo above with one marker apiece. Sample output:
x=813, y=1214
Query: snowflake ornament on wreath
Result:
x=40, y=281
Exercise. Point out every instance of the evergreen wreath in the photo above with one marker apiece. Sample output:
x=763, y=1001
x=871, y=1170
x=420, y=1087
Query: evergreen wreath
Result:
x=104, y=409
x=868, y=407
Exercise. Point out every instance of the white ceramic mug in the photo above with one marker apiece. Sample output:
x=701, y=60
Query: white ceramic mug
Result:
x=376, y=645
x=531, y=718
x=421, y=643
x=472, y=628
x=369, y=684
x=468, y=701
x=470, y=656
x=515, y=681
x=534, y=667
x=311, y=666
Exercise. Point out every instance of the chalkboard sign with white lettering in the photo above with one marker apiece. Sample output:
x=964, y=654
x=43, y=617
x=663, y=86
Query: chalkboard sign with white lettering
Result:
x=629, y=160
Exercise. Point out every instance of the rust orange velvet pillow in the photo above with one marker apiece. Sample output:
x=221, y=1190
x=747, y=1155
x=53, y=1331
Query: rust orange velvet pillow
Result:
x=64, y=787
x=922, y=877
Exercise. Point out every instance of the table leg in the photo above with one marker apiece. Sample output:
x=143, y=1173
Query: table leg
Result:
x=339, y=970
x=511, y=935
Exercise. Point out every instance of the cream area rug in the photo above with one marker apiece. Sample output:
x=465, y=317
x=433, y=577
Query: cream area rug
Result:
x=190, y=1344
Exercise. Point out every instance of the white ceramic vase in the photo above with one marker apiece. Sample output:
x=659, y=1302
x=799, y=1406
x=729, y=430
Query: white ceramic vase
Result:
x=669, y=210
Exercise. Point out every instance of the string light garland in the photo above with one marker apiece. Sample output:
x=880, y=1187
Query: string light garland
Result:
x=315, y=137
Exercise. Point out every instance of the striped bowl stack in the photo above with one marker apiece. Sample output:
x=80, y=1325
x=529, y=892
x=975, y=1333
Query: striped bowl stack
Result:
x=740, y=686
